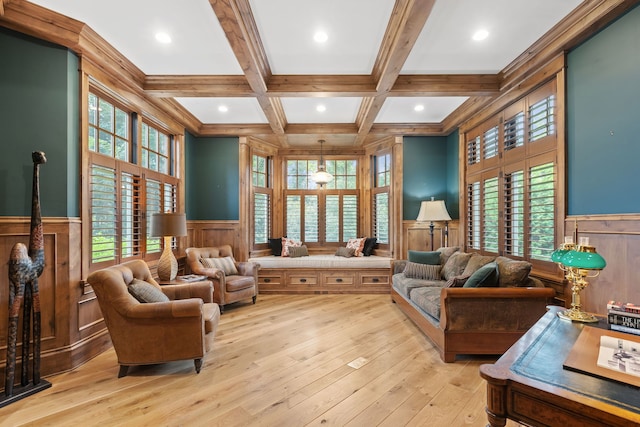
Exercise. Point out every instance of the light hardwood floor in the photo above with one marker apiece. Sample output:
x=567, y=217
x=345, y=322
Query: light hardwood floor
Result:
x=317, y=360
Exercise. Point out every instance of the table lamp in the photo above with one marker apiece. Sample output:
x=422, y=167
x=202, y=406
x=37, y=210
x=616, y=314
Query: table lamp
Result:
x=434, y=210
x=579, y=263
x=168, y=225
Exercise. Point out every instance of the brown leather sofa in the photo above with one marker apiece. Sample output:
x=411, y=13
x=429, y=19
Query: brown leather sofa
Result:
x=227, y=288
x=155, y=332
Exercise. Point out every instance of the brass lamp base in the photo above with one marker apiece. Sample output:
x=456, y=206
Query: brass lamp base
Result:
x=574, y=315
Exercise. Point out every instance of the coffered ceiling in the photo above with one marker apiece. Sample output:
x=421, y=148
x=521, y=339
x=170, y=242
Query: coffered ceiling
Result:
x=240, y=67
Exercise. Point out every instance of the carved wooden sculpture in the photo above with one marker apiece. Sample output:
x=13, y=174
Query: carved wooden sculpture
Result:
x=24, y=269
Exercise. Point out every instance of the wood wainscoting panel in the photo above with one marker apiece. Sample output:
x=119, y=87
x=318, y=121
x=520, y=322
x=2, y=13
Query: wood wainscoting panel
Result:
x=617, y=239
x=417, y=236
x=215, y=233
x=72, y=328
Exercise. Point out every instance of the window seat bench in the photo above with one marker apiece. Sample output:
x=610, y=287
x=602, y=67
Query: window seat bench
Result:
x=323, y=274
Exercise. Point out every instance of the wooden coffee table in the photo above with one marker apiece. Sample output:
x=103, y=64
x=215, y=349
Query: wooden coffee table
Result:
x=528, y=384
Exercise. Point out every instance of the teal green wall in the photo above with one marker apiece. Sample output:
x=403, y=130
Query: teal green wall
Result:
x=424, y=171
x=212, y=178
x=39, y=111
x=603, y=121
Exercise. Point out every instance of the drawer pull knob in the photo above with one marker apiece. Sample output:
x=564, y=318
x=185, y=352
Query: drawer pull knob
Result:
x=303, y=280
x=375, y=280
x=339, y=280
x=267, y=280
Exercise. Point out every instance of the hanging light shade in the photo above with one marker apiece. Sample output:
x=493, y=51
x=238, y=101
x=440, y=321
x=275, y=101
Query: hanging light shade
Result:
x=321, y=177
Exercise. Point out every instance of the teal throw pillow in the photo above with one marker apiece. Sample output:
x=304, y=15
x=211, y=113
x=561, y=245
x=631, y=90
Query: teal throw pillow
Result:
x=423, y=257
x=484, y=277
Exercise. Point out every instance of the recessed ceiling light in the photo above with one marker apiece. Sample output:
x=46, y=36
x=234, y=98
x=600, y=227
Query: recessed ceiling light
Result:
x=418, y=107
x=320, y=37
x=321, y=108
x=163, y=37
x=480, y=35
x=223, y=108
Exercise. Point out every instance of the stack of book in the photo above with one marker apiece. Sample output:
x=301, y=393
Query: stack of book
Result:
x=624, y=317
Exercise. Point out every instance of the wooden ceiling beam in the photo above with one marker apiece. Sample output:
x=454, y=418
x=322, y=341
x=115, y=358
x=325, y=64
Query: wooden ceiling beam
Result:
x=195, y=85
x=321, y=85
x=236, y=20
x=446, y=85
x=407, y=20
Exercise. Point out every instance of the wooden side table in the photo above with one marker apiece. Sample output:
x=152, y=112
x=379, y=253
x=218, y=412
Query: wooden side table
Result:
x=528, y=384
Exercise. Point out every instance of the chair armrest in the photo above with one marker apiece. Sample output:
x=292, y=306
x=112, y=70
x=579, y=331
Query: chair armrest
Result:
x=398, y=266
x=198, y=268
x=247, y=268
x=202, y=290
x=164, y=311
x=492, y=309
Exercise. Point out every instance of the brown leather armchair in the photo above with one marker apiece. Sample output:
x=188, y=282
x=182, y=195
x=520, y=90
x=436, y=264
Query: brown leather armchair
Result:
x=155, y=332
x=226, y=288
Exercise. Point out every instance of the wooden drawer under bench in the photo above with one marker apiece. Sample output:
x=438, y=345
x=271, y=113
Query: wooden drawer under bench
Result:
x=322, y=281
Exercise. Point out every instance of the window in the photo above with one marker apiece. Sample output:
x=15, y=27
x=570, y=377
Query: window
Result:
x=511, y=201
x=326, y=215
x=155, y=149
x=120, y=191
x=381, y=190
x=261, y=182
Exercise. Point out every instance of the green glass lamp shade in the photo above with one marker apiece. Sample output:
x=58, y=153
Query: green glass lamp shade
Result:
x=557, y=255
x=583, y=260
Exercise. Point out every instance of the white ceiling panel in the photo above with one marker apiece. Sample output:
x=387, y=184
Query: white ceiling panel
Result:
x=445, y=44
x=403, y=110
x=285, y=29
x=238, y=110
x=355, y=29
x=199, y=46
x=336, y=110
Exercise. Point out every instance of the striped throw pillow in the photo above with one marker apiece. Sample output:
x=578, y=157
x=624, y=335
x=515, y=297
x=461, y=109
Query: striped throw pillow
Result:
x=225, y=264
x=415, y=270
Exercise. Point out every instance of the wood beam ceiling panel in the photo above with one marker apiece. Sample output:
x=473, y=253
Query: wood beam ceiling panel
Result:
x=446, y=85
x=407, y=20
x=198, y=86
x=321, y=85
x=237, y=21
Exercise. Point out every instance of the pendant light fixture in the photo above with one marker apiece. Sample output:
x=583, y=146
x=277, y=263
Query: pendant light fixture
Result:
x=321, y=177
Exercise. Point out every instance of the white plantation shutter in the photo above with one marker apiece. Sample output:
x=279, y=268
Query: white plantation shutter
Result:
x=490, y=146
x=104, y=214
x=261, y=218
x=154, y=205
x=473, y=215
x=381, y=218
x=490, y=215
x=542, y=211
x=514, y=210
x=542, y=119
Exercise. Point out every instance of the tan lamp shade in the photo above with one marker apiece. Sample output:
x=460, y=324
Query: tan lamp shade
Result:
x=433, y=210
x=168, y=225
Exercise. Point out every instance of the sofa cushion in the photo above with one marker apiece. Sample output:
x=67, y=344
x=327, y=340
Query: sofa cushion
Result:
x=428, y=299
x=369, y=245
x=456, y=281
x=276, y=246
x=146, y=292
x=287, y=243
x=345, y=252
x=298, y=251
x=512, y=272
x=446, y=252
x=424, y=257
x=357, y=245
x=226, y=264
x=476, y=262
x=404, y=285
x=485, y=277
x=455, y=265
x=236, y=283
x=417, y=270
